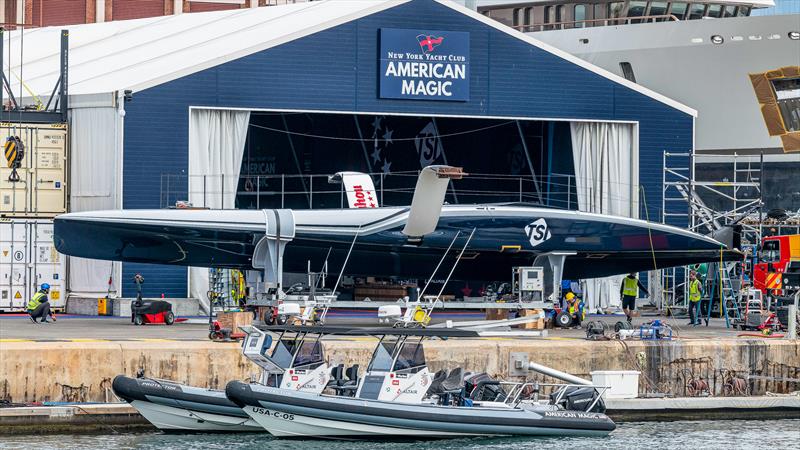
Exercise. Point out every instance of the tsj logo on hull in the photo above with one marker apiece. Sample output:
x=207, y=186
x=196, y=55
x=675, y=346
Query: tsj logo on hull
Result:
x=537, y=232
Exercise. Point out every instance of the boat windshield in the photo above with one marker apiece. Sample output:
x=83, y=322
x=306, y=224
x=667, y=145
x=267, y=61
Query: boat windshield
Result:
x=411, y=358
x=382, y=357
x=310, y=353
x=282, y=355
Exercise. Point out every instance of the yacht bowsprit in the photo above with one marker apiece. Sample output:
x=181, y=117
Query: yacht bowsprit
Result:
x=398, y=397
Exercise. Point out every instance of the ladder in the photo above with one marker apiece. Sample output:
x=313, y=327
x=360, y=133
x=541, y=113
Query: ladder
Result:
x=722, y=290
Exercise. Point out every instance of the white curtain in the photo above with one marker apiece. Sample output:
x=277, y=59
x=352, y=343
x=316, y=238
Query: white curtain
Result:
x=94, y=165
x=216, y=147
x=606, y=159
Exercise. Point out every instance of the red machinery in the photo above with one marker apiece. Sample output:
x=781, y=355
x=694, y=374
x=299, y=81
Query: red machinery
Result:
x=152, y=311
x=776, y=254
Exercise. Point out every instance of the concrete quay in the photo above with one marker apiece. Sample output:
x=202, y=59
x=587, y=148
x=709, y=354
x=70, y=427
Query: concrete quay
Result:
x=92, y=417
x=81, y=371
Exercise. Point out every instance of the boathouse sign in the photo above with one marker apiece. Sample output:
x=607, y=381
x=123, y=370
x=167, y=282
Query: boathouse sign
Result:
x=424, y=64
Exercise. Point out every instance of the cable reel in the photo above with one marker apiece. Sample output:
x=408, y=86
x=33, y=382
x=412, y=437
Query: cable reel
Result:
x=14, y=151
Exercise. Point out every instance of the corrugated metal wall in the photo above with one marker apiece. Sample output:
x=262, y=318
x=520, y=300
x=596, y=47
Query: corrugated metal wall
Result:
x=336, y=69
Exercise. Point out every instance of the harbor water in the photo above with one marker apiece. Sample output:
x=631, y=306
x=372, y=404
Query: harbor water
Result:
x=721, y=434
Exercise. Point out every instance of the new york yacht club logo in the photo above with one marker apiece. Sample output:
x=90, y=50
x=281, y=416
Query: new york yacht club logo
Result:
x=427, y=42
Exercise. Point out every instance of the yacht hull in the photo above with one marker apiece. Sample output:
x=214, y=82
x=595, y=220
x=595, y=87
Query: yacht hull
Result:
x=169, y=418
x=297, y=425
x=175, y=407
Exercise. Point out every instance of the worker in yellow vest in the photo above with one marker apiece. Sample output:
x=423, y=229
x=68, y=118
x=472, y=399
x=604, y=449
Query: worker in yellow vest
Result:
x=695, y=291
x=629, y=290
x=39, y=305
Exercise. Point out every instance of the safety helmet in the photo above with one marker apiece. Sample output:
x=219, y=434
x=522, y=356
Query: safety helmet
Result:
x=570, y=296
x=45, y=287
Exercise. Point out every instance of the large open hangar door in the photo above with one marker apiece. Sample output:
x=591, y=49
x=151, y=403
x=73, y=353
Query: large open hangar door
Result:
x=510, y=160
x=282, y=159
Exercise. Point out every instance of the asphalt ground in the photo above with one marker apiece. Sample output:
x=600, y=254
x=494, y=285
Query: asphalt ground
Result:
x=16, y=327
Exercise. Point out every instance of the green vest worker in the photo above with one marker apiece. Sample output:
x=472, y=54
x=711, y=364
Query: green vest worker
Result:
x=629, y=290
x=39, y=305
x=695, y=294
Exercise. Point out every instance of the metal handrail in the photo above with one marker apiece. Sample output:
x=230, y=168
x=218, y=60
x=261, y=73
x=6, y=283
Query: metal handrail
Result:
x=518, y=387
x=502, y=188
x=613, y=20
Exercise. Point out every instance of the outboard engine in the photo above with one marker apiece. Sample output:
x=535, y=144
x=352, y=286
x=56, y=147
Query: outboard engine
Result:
x=482, y=387
x=578, y=399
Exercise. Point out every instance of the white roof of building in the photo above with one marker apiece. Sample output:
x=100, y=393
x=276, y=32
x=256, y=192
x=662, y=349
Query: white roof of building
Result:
x=142, y=53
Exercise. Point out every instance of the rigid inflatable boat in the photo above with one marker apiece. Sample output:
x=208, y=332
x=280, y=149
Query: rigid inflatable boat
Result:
x=399, y=398
x=177, y=407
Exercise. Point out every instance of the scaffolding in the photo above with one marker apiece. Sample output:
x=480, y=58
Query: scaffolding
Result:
x=728, y=193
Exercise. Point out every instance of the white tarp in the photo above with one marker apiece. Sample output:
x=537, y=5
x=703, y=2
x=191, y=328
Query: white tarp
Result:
x=94, y=169
x=216, y=147
x=606, y=159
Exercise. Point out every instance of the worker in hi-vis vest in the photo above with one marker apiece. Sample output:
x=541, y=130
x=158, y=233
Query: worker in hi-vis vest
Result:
x=695, y=291
x=629, y=290
x=39, y=305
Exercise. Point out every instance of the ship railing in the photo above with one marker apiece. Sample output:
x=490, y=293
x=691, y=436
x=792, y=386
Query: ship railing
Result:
x=521, y=391
x=587, y=23
x=391, y=189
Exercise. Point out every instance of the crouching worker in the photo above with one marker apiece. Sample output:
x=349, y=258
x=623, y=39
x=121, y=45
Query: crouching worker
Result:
x=39, y=306
x=575, y=309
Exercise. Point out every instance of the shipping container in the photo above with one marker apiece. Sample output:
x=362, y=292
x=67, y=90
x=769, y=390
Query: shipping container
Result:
x=28, y=258
x=42, y=188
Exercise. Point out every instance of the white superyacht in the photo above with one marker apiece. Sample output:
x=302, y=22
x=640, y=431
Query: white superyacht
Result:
x=700, y=53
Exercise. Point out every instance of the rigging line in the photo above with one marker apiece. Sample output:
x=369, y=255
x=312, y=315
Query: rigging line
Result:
x=421, y=294
x=653, y=253
x=347, y=258
x=335, y=138
x=452, y=269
